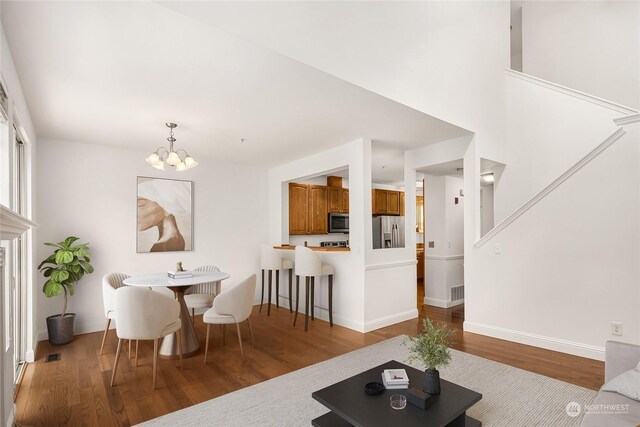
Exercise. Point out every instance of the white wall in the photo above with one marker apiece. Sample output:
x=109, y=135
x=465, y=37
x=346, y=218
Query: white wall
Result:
x=568, y=266
x=486, y=209
x=18, y=116
x=548, y=130
x=90, y=191
x=444, y=226
x=591, y=46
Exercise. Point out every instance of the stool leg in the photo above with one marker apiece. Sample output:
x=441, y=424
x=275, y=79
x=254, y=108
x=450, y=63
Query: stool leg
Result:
x=331, y=300
x=269, y=298
x=262, y=296
x=295, y=316
x=313, y=297
x=306, y=304
x=290, y=296
x=277, y=288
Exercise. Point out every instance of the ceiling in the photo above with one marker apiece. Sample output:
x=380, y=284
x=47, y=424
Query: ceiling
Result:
x=114, y=72
x=452, y=168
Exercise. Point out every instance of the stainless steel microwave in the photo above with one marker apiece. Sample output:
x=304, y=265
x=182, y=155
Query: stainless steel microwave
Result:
x=338, y=223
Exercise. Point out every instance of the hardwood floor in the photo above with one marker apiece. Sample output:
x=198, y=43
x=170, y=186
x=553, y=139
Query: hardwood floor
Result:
x=75, y=390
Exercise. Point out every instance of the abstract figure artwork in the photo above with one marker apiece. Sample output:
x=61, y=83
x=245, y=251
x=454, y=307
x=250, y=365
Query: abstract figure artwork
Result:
x=164, y=215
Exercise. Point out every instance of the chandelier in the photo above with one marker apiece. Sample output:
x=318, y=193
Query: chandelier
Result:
x=171, y=156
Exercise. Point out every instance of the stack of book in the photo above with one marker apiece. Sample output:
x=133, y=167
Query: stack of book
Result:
x=179, y=274
x=395, y=379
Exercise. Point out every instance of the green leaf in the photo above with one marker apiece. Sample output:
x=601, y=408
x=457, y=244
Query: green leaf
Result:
x=52, y=289
x=47, y=271
x=81, y=252
x=64, y=256
x=51, y=258
x=69, y=240
x=76, y=269
x=59, y=275
x=55, y=245
x=71, y=290
x=88, y=268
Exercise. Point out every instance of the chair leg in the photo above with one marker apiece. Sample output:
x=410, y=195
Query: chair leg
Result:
x=222, y=332
x=104, y=337
x=306, y=304
x=295, y=316
x=137, y=342
x=193, y=316
x=290, y=296
x=313, y=297
x=240, y=340
x=129, y=349
x=179, y=333
x=206, y=346
x=262, y=296
x=277, y=288
x=331, y=300
x=253, y=340
x=155, y=361
x=115, y=365
x=269, y=297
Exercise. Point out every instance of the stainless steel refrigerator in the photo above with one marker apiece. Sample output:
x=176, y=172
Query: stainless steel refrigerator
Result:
x=388, y=232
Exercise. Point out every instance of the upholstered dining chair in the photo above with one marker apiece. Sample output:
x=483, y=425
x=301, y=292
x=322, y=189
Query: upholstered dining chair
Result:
x=234, y=305
x=110, y=282
x=201, y=296
x=142, y=314
x=309, y=265
x=270, y=261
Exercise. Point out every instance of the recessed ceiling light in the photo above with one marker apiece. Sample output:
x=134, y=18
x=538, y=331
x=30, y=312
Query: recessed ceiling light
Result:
x=488, y=177
x=383, y=166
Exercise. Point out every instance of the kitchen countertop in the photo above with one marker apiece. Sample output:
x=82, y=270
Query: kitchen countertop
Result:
x=314, y=248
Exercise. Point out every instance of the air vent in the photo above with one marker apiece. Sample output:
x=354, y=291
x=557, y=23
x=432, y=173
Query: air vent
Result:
x=457, y=293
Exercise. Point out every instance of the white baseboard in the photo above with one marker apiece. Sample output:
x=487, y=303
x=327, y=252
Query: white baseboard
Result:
x=30, y=355
x=550, y=343
x=381, y=322
x=442, y=303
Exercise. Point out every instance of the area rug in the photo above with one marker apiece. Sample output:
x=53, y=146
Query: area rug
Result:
x=510, y=396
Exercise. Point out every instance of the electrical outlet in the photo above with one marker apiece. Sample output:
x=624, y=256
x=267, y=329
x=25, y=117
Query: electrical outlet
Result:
x=432, y=244
x=616, y=328
x=498, y=249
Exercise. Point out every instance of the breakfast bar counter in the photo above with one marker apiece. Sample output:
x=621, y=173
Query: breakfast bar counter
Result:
x=315, y=248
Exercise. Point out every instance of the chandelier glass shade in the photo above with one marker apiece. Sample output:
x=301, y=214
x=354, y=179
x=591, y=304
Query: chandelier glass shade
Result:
x=177, y=158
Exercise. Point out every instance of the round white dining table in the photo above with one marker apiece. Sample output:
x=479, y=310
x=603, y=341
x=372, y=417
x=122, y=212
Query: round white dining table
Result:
x=190, y=343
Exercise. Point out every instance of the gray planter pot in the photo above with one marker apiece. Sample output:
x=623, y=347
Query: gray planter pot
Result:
x=431, y=384
x=61, y=328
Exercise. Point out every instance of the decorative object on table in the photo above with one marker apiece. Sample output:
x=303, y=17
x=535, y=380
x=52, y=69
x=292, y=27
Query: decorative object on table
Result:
x=164, y=215
x=398, y=401
x=395, y=379
x=431, y=347
x=179, y=266
x=373, y=389
x=63, y=269
x=419, y=398
x=172, y=157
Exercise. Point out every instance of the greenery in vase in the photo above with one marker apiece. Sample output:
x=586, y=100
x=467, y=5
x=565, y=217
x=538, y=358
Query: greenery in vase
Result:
x=64, y=268
x=431, y=346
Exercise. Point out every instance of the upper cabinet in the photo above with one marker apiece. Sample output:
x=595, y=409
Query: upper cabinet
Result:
x=338, y=199
x=387, y=202
x=308, y=209
x=298, y=208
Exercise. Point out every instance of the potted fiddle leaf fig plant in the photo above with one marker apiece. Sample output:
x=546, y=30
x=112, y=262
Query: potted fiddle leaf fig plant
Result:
x=431, y=347
x=63, y=269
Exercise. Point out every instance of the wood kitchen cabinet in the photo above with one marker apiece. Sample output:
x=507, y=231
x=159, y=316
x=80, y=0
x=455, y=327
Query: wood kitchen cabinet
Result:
x=318, y=210
x=387, y=202
x=338, y=199
x=308, y=209
x=420, y=259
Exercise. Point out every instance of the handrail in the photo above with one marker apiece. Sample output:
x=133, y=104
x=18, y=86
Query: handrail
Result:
x=549, y=188
x=572, y=92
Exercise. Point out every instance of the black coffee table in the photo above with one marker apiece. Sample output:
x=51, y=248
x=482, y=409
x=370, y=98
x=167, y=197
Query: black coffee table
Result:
x=350, y=406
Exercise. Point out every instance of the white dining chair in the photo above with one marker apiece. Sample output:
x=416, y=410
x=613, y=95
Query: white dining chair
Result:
x=234, y=305
x=270, y=261
x=201, y=296
x=142, y=314
x=309, y=265
x=110, y=282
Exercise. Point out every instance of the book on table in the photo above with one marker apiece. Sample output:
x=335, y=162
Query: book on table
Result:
x=179, y=274
x=395, y=379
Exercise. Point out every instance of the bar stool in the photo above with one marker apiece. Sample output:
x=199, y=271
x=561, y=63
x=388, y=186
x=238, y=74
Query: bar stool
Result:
x=308, y=264
x=271, y=260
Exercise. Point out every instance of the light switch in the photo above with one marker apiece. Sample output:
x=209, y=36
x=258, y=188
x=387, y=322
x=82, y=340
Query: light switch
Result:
x=498, y=249
x=432, y=244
